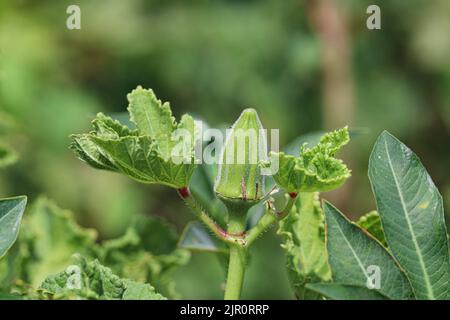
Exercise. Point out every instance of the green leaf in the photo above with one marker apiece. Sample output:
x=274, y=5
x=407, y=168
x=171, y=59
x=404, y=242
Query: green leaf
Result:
x=158, y=151
x=7, y=156
x=336, y=291
x=304, y=243
x=196, y=237
x=11, y=211
x=412, y=215
x=371, y=222
x=91, y=280
x=351, y=252
x=314, y=169
x=152, y=118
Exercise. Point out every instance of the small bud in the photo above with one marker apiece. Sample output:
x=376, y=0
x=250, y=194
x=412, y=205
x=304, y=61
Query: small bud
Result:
x=239, y=175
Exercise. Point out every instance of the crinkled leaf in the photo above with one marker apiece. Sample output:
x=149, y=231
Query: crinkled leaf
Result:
x=304, y=242
x=91, y=280
x=412, y=215
x=11, y=211
x=158, y=151
x=314, y=169
x=336, y=291
x=371, y=222
x=351, y=252
x=196, y=237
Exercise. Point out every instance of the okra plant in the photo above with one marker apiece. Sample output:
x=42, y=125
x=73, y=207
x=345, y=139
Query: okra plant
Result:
x=335, y=261
x=398, y=251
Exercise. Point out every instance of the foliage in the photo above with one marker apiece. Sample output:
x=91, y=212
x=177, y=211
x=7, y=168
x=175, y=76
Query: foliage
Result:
x=314, y=169
x=90, y=280
x=50, y=237
x=145, y=154
x=307, y=258
x=415, y=263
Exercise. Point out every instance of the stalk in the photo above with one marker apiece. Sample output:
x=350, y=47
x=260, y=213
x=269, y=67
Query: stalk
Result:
x=192, y=204
x=268, y=219
x=238, y=259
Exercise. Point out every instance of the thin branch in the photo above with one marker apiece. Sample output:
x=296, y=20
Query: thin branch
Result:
x=195, y=207
x=268, y=219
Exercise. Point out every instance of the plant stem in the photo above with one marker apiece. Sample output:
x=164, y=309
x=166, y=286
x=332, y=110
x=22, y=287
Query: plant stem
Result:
x=238, y=259
x=267, y=219
x=223, y=235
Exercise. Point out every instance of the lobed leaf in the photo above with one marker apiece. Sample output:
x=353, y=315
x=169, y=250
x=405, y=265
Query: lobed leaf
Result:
x=158, y=151
x=412, y=216
x=314, y=169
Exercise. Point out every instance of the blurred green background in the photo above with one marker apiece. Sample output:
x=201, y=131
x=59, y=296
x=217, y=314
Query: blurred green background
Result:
x=304, y=65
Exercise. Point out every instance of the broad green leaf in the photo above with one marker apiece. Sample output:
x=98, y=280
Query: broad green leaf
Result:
x=314, y=169
x=371, y=222
x=336, y=291
x=158, y=151
x=304, y=243
x=11, y=211
x=412, y=215
x=90, y=280
x=352, y=254
x=7, y=156
x=196, y=237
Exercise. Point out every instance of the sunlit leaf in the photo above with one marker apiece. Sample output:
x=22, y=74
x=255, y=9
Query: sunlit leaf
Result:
x=412, y=215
